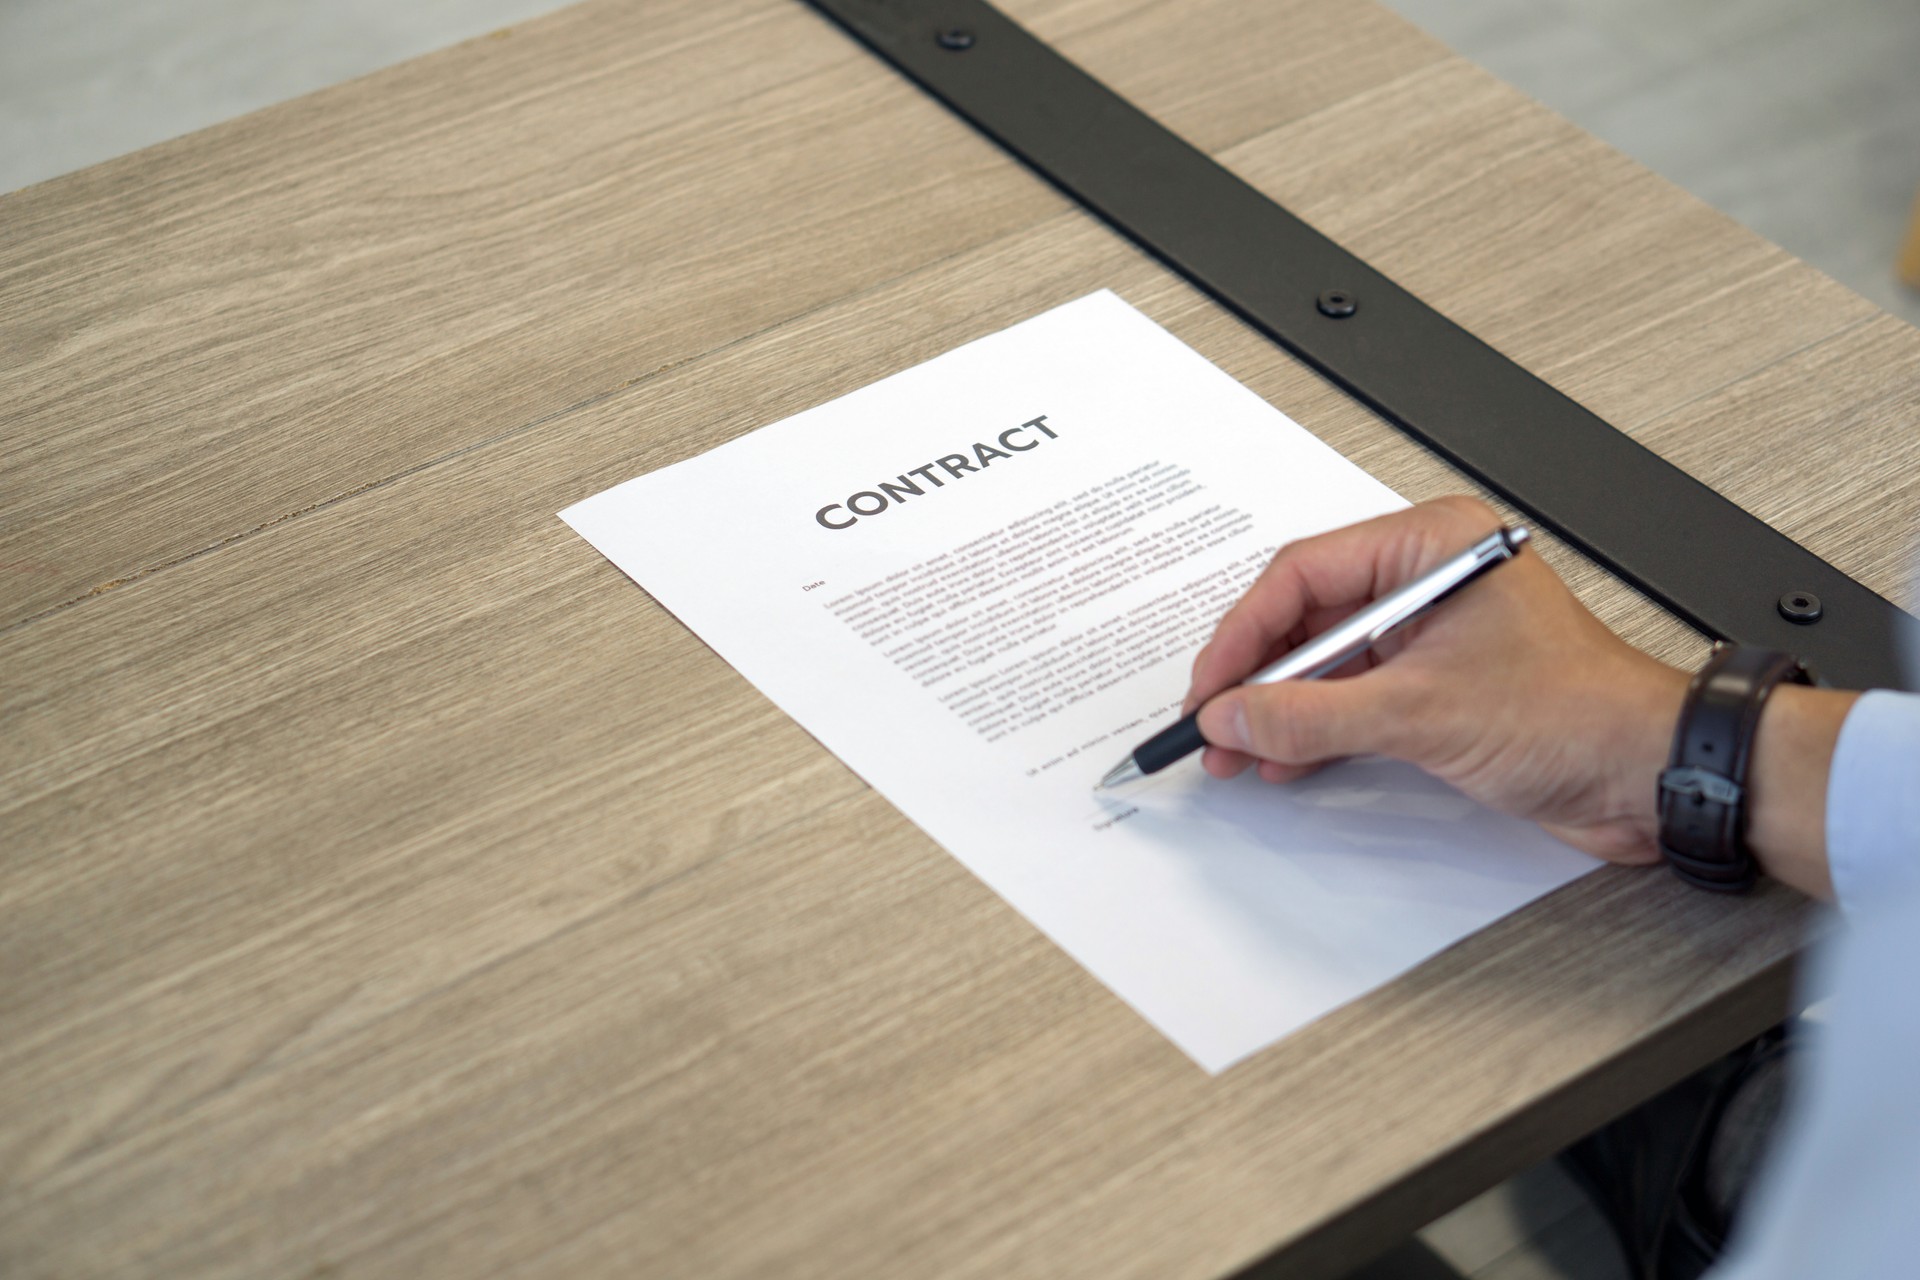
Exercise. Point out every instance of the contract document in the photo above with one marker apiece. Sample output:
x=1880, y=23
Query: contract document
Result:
x=982, y=581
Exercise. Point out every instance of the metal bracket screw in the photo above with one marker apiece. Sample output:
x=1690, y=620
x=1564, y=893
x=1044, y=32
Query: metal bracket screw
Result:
x=1800, y=607
x=1337, y=304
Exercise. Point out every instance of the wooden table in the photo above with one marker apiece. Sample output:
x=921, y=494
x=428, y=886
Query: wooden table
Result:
x=367, y=906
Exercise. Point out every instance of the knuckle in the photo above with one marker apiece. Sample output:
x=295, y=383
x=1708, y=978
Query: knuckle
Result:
x=1461, y=507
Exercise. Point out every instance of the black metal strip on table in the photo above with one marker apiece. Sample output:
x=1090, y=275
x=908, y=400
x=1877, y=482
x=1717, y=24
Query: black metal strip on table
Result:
x=1721, y=569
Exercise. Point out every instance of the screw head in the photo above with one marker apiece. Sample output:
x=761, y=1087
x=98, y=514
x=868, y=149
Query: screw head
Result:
x=1801, y=607
x=1337, y=304
x=955, y=39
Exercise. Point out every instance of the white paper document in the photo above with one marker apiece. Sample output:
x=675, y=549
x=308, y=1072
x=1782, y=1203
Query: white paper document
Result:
x=981, y=582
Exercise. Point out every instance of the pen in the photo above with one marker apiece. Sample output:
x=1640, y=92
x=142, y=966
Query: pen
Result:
x=1328, y=650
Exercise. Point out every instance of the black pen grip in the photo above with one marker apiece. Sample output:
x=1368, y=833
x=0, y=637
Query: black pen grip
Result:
x=1175, y=742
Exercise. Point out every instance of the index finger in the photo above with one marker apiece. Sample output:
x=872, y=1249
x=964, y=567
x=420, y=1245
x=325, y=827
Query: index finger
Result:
x=1330, y=572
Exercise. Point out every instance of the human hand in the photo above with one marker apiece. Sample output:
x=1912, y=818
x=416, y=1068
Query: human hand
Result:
x=1512, y=691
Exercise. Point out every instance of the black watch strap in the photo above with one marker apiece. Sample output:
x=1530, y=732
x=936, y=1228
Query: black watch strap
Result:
x=1703, y=790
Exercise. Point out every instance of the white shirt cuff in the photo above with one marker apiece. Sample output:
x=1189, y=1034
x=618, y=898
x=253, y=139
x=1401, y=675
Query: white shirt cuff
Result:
x=1873, y=800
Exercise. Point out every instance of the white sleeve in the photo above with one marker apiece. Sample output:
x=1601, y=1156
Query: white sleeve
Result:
x=1837, y=1200
x=1873, y=800
x=1838, y=1197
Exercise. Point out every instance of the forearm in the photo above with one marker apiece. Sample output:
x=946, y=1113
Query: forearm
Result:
x=1787, y=784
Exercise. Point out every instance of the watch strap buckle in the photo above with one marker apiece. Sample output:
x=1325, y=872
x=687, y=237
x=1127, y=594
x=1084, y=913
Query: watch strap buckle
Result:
x=1692, y=780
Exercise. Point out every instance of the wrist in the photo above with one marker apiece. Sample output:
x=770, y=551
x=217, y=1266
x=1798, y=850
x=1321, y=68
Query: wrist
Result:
x=1619, y=729
x=1651, y=701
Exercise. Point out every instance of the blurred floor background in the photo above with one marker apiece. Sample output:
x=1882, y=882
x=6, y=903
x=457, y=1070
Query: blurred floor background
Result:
x=1801, y=118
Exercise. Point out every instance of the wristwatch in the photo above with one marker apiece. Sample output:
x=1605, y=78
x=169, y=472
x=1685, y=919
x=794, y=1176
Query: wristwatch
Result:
x=1703, y=789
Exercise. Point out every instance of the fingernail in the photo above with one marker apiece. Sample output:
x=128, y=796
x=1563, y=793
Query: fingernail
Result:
x=1232, y=732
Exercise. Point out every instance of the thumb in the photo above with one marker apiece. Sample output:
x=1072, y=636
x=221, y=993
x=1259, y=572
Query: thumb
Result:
x=1305, y=721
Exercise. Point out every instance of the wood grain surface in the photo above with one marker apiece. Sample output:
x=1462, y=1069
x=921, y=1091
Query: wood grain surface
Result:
x=388, y=887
